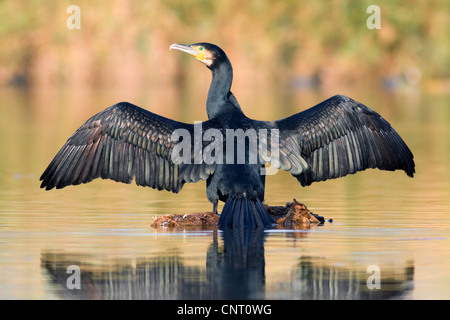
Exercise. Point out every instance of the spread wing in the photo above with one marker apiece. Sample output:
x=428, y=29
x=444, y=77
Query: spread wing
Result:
x=122, y=143
x=338, y=137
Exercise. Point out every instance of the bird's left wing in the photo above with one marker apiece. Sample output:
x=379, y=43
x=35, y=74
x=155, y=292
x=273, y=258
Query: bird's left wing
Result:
x=338, y=137
x=122, y=143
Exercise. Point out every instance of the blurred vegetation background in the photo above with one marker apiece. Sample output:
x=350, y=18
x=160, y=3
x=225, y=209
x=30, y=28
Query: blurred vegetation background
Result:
x=126, y=43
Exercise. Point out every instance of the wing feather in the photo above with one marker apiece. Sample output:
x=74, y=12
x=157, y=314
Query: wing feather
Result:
x=122, y=143
x=338, y=137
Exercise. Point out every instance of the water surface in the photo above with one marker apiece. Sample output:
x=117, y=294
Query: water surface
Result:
x=381, y=220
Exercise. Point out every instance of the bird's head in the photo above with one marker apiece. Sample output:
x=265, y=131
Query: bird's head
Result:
x=209, y=54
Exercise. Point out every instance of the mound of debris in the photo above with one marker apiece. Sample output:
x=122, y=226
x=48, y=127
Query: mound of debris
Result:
x=204, y=220
x=293, y=214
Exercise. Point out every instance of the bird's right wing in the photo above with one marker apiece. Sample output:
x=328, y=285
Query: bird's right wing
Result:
x=338, y=137
x=122, y=143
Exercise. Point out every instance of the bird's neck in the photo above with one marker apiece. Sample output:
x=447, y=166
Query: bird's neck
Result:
x=217, y=102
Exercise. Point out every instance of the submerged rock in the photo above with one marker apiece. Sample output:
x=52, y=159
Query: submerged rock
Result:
x=294, y=214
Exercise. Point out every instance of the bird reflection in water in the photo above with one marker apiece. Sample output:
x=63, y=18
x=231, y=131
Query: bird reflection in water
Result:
x=235, y=269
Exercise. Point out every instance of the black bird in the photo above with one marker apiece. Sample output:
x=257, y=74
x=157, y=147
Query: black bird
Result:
x=339, y=136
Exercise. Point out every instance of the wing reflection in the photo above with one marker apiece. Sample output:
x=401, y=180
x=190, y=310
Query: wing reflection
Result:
x=320, y=279
x=235, y=269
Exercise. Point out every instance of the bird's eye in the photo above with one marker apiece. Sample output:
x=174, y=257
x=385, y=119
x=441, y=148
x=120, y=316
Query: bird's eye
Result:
x=200, y=48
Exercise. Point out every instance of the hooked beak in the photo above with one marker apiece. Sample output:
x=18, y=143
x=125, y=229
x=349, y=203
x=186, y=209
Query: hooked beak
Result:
x=188, y=49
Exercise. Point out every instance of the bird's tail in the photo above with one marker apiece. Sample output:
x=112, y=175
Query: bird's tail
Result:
x=244, y=213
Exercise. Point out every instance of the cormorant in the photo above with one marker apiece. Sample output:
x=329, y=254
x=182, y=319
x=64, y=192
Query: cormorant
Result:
x=339, y=136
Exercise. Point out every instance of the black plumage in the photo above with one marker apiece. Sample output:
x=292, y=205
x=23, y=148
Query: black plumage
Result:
x=330, y=140
x=121, y=143
x=338, y=137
